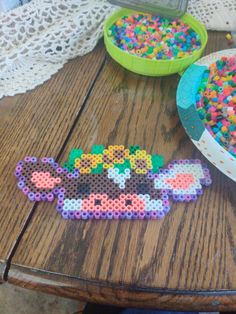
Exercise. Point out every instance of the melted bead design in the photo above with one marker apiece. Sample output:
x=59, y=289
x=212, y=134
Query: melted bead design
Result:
x=127, y=183
x=114, y=157
x=44, y=180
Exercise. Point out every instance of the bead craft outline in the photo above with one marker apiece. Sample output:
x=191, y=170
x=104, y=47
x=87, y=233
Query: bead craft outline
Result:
x=120, y=191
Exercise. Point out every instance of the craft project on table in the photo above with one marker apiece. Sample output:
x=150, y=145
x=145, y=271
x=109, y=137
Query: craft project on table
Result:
x=112, y=183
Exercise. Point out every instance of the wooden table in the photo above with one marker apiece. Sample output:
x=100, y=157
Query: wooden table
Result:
x=186, y=261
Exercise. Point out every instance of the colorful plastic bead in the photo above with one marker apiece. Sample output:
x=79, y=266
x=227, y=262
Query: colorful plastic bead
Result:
x=216, y=102
x=154, y=37
x=131, y=185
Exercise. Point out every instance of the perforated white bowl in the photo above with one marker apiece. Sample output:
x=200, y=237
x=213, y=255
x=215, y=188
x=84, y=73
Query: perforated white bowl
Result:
x=186, y=103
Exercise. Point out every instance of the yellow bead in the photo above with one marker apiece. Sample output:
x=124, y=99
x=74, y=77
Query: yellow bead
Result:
x=143, y=171
x=224, y=129
x=232, y=119
x=119, y=23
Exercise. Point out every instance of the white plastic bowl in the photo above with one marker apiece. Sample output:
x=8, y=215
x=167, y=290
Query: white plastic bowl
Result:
x=186, y=103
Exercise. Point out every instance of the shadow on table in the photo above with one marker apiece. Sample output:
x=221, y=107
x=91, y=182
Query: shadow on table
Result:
x=100, y=309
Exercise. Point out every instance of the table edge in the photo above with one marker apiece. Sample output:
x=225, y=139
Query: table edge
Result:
x=115, y=294
x=3, y=268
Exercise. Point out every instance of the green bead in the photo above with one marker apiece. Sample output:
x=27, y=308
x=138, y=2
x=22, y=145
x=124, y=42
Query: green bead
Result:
x=69, y=166
x=205, y=100
x=150, y=50
x=123, y=167
x=133, y=149
x=65, y=165
x=155, y=169
x=232, y=83
x=126, y=164
x=98, y=169
x=97, y=149
x=157, y=161
x=74, y=154
x=208, y=117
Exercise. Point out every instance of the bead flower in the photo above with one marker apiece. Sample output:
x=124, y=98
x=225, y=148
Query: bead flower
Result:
x=116, y=153
x=141, y=162
x=87, y=162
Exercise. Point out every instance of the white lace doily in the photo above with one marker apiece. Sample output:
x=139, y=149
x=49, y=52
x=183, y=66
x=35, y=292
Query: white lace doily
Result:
x=38, y=38
x=217, y=15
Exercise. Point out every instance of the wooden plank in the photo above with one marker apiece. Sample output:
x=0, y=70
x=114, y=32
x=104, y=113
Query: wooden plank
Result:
x=122, y=295
x=191, y=250
x=38, y=122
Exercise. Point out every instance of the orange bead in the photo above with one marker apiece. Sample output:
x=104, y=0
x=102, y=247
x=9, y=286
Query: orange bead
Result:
x=224, y=129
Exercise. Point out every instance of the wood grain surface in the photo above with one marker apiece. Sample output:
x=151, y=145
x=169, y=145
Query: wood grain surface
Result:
x=186, y=261
x=38, y=123
x=123, y=295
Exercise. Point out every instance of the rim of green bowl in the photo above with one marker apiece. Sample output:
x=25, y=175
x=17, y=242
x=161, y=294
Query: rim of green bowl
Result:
x=121, y=12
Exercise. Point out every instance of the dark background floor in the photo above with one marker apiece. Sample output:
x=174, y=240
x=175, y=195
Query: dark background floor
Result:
x=14, y=300
x=21, y=301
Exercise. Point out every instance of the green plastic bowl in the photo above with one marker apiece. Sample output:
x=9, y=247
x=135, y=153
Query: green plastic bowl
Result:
x=153, y=67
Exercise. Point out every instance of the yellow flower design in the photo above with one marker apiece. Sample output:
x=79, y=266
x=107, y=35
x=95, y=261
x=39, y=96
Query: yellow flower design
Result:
x=141, y=162
x=87, y=162
x=114, y=155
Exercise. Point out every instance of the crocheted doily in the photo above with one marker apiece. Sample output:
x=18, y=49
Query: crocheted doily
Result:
x=217, y=15
x=38, y=38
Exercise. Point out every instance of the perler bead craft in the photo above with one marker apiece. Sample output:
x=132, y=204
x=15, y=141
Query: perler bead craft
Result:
x=112, y=183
